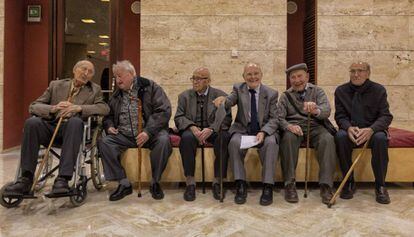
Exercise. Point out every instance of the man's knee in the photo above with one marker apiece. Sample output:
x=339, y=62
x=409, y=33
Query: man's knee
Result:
x=75, y=122
x=289, y=137
x=187, y=136
x=341, y=136
x=32, y=122
x=379, y=138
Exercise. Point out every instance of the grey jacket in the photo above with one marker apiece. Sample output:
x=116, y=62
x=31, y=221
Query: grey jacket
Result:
x=187, y=109
x=287, y=113
x=156, y=107
x=267, y=103
x=89, y=99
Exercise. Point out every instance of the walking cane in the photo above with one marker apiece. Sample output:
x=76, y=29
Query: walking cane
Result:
x=341, y=186
x=305, y=195
x=46, y=155
x=139, y=147
x=221, y=163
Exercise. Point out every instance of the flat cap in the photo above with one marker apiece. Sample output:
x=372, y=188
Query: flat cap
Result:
x=300, y=66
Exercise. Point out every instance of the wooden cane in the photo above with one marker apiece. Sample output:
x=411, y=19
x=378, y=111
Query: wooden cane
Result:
x=46, y=155
x=139, y=147
x=307, y=154
x=341, y=186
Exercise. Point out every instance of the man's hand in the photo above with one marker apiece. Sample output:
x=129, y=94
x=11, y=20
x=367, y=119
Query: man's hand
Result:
x=70, y=111
x=205, y=134
x=219, y=100
x=260, y=137
x=142, y=138
x=352, y=134
x=311, y=107
x=196, y=132
x=295, y=129
x=112, y=130
x=60, y=106
x=364, y=135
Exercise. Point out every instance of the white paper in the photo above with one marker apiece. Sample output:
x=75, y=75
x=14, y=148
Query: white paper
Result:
x=248, y=141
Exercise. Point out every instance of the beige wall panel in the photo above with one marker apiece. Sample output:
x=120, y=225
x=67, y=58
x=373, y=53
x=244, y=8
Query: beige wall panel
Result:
x=411, y=30
x=262, y=33
x=213, y=7
x=189, y=32
x=365, y=7
x=363, y=33
x=399, y=100
x=388, y=67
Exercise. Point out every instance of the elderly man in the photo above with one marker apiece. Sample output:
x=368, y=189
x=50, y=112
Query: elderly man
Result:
x=294, y=106
x=256, y=116
x=87, y=100
x=121, y=127
x=197, y=122
x=362, y=114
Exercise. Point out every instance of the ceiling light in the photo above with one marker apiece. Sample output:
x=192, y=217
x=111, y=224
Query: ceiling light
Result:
x=88, y=21
x=103, y=36
x=90, y=52
x=104, y=0
x=103, y=43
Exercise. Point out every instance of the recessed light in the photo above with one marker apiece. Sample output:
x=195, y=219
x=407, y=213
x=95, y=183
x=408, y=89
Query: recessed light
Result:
x=90, y=52
x=88, y=21
x=103, y=43
x=103, y=36
x=104, y=0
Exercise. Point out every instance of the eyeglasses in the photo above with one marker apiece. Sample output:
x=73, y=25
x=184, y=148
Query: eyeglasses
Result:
x=198, y=79
x=355, y=71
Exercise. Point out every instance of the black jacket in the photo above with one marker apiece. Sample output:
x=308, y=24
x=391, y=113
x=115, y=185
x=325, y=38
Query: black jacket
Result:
x=155, y=103
x=375, y=106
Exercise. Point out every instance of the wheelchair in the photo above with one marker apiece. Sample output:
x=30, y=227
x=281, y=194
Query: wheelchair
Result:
x=87, y=155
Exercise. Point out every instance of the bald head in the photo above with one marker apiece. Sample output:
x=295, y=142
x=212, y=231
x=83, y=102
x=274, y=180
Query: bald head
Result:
x=252, y=75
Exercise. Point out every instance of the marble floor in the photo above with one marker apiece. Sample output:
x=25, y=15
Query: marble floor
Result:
x=172, y=216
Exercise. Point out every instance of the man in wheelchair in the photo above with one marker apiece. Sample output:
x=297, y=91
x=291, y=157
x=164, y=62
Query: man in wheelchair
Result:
x=73, y=100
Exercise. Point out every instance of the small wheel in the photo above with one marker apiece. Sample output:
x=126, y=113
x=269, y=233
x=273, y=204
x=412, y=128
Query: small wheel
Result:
x=81, y=193
x=96, y=164
x=7, y=201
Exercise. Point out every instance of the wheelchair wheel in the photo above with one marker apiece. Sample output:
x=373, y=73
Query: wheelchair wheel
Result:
x=96, y=164
x=7, y=201
x=81, y=193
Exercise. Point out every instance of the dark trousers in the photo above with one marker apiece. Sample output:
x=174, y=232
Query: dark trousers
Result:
x=379, y=150
x=112, y=146
x=188, y=150
x=38, y=132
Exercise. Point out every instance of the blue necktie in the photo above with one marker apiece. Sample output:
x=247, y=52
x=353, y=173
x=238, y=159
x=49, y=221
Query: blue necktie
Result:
x=254, y=123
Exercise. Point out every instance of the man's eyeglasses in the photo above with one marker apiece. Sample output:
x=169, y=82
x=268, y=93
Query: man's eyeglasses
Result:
x=198, y=79
x=355, y=71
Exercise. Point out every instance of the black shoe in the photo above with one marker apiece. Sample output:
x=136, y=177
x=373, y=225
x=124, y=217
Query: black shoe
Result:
x=21, y=187
x=120, y=192
x=241, y=192
x=348, y=190
x=290, y=193
x=60, y=186
x=216, y=191
x=190, y=194
x=326, y=193
x=156, y=191
x=381, y=195
x=267, y=195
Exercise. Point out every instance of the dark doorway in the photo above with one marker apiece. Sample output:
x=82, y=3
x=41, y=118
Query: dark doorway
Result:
x=301, y=36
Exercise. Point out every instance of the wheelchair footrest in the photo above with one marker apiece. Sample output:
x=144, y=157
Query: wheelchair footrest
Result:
x=72, y=192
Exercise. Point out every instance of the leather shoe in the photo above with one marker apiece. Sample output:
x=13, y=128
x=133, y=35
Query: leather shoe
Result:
x=241, y=192
x=348, y=190
x=267, y=195
x=216, y=191
x=381, y=195
x=290, y=193
x=21, y=187
x=190, y=194
x=120, y=192
x=60, y=185
x=156, y=191
x=326, y=193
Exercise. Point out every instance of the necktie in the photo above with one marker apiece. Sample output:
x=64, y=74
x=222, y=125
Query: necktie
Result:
x=254, y=123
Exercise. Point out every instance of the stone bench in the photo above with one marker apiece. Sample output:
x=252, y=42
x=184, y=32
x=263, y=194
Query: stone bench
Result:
x=400, y=167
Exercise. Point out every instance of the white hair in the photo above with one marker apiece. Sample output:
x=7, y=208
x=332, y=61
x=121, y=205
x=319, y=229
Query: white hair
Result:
x=81, y=62
x=124, y=65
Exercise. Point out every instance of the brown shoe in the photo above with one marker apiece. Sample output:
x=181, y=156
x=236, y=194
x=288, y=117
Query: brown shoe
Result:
x=381, y=195
x=326, y=193
x=290, y=193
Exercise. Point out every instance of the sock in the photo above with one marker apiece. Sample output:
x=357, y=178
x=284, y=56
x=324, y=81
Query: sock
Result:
x=190, y=180
x=125, y=182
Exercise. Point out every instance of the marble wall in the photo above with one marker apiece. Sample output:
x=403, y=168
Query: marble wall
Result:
x=179, y=36
x=1, y=70
x=380, y=32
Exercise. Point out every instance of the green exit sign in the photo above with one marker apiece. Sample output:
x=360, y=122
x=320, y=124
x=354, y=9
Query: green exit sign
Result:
x=34, y=13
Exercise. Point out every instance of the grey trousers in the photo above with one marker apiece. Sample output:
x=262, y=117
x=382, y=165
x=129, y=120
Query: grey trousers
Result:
x=112, y=146
x=268, y=153
x=38, y=132
x=324, y=144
